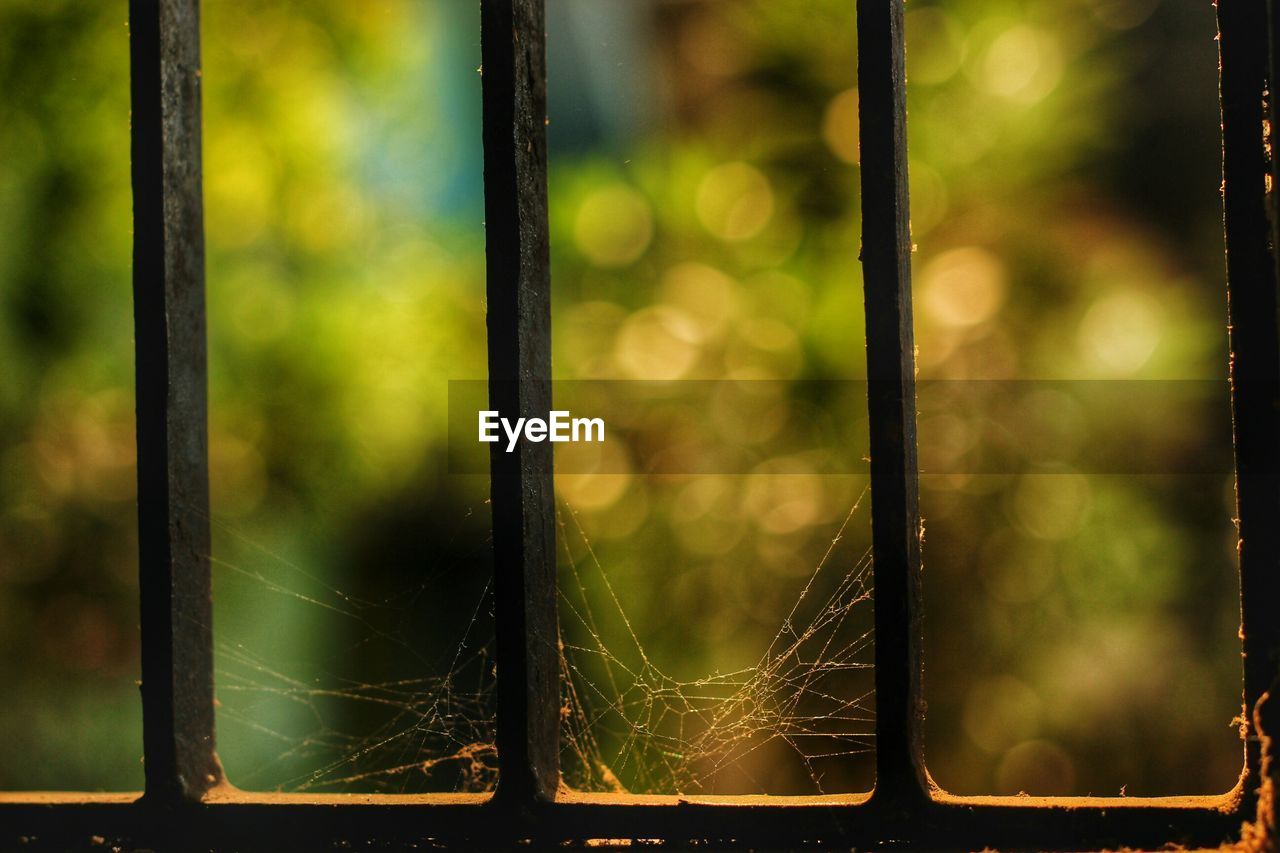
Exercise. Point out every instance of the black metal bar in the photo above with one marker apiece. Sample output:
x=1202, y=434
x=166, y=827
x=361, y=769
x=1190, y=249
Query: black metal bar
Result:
x=519, y=319
x=1259, y=497
x=1244, y=45
x=273, y=822
x=173, y=479
x=901, y=780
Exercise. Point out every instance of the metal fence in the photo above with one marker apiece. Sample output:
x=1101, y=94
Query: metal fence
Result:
x=187, y=802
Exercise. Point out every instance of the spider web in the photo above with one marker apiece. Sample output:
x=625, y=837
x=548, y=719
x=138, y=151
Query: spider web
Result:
x=345, y=733
x=629, y=725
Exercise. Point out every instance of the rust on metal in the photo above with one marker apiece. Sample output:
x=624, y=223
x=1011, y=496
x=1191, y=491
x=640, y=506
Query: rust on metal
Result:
x=239, y=821
x=1255, y=351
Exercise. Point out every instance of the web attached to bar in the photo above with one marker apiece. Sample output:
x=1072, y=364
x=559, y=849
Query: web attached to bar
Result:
x=629, y=724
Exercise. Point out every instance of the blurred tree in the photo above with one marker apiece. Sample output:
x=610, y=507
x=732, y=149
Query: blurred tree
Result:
x=705, y=226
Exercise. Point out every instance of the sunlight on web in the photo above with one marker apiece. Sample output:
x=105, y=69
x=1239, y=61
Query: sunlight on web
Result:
x=332, y=732
x=625, y=717
x=628, y=725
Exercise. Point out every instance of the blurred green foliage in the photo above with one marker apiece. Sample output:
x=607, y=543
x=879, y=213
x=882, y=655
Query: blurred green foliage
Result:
x=1081, y=628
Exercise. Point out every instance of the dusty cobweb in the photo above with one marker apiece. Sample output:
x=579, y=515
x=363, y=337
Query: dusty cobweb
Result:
x=426, y=723
x=631, y=726
x=312, y=717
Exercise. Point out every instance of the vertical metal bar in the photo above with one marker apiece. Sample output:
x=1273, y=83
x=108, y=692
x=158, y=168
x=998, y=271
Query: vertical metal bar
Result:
x=895, y=515
x=173, y=479
x=519, y=318
x=1255, y=352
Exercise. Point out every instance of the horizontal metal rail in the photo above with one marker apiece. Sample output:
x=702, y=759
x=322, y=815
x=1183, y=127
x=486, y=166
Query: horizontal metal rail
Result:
x=238, y=821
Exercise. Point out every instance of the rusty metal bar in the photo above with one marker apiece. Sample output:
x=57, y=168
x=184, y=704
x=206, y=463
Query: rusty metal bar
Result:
x=519, y=318
x=273, y=822
x=1255, y=351
x=173, y=478
x=901, y=781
